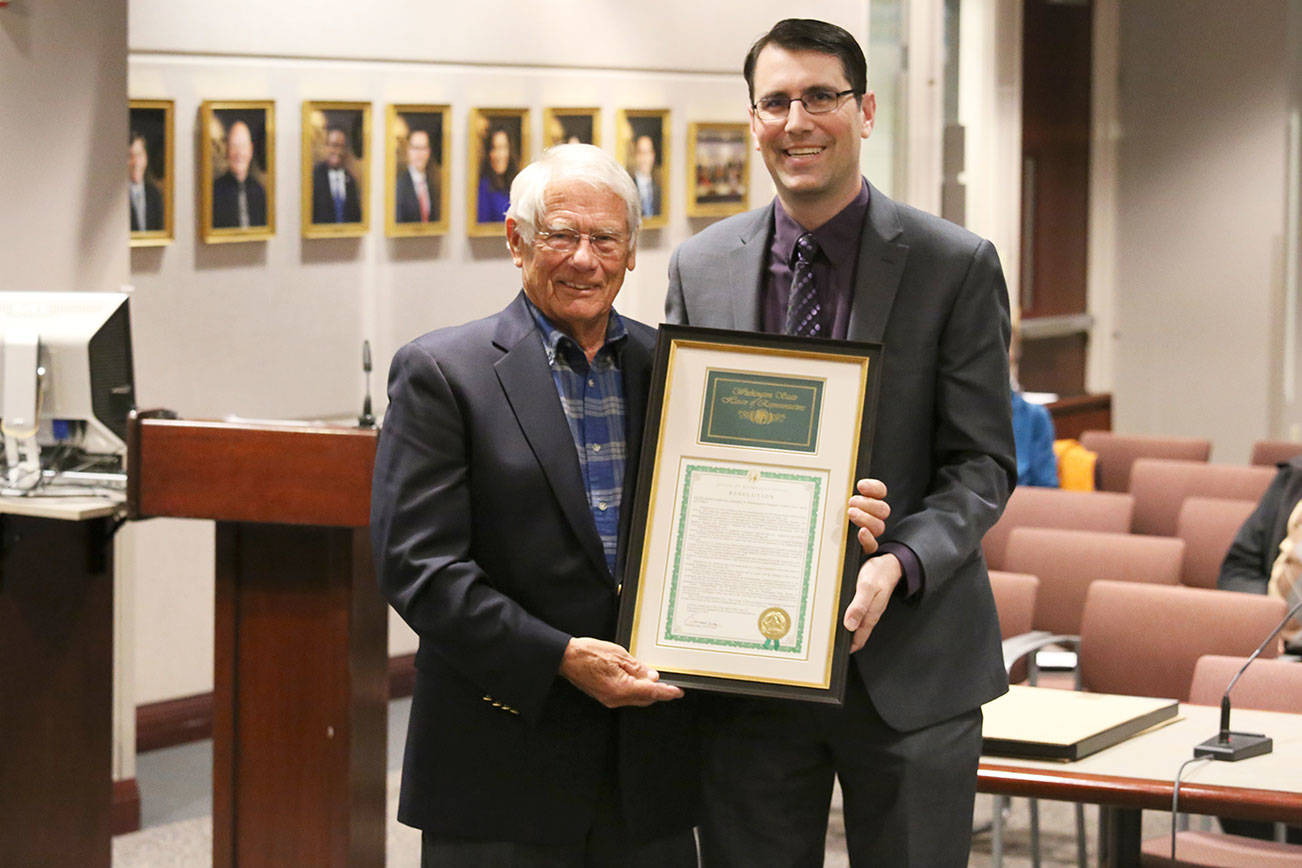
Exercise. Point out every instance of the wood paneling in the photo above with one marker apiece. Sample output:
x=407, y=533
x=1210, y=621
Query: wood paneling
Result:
x=1055, y=364
x=299, y=698
x=1074, y=416
x=56, y=687
x=249, y=472
x=170, y=722
x=299, y=689
x=126, y=807
x=1066, y=785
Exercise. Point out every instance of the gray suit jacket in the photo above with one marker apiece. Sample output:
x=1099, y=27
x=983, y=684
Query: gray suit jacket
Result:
x=933, y=294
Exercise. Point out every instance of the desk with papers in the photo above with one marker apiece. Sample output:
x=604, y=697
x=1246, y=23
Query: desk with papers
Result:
x=1139, y=774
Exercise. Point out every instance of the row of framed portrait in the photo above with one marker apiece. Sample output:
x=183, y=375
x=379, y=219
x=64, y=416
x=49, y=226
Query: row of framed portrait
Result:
x=237, y=171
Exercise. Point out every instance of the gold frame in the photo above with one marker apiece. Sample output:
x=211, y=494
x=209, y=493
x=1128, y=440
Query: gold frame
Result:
x=207, y=117
x=478, y=124
x=309, y=132
x=552, y=124
x=392, y=113
x=164, y=236
x=695, y=208
x=624, y=153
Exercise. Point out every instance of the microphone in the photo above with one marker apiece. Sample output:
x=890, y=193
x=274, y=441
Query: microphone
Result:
x=1233, y=746
x=367, y=419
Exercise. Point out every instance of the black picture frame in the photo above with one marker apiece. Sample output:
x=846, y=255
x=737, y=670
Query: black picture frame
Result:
x=747, y=344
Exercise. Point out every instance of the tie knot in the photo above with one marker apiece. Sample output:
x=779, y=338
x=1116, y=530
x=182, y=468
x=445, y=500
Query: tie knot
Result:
x=806, y=248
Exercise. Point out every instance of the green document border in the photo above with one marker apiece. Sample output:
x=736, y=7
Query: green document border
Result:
x=715, y=376
x=689, y=471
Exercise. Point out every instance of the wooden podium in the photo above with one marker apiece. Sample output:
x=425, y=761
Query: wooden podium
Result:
x=56, y=680
x=300, y=692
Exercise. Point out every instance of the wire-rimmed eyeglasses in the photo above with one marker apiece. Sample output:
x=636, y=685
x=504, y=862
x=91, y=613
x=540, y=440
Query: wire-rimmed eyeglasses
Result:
x=568, y=240
x=816, y=101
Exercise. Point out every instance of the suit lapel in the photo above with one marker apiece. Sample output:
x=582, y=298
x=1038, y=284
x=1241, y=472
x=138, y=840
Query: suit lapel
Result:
x=881, y=265
x=746, y=264
x=527, y=381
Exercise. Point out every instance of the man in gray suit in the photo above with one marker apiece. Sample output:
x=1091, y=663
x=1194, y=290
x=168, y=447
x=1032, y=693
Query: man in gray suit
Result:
x=833, y=257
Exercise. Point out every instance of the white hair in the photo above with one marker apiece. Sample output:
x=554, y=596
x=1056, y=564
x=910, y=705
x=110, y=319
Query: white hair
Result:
x=571, y=162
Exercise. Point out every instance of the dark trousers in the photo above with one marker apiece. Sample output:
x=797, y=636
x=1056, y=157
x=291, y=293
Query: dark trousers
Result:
x=598, y=851
x=769, y=767
x=607, y=845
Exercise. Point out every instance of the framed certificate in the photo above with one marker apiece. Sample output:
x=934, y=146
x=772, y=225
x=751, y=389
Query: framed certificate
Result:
x=742, y=559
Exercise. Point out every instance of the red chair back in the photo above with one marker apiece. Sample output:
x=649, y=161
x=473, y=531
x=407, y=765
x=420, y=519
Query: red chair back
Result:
x=1067, y=562
x=1267, y=685
x=1160, y=488
x=1208, y=525
x=1144, y=640
x=1028, y=506
x=1268, y=453
x=1015, y=602
x=1118, y=452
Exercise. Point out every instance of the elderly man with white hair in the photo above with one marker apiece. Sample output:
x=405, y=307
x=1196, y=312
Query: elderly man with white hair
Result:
x=502, y=492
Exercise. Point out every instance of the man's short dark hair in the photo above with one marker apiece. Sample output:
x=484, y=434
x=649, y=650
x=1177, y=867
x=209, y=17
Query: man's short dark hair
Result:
x=808, y=34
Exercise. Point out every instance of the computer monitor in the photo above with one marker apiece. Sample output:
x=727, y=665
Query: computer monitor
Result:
x=66, y=376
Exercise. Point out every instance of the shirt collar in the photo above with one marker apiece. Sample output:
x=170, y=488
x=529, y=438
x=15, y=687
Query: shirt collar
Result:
x=553, y=338
x=835, y=238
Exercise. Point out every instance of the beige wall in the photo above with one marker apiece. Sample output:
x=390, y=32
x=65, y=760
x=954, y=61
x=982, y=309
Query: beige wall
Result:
x=62, y=133
x=63, y=200
x=1203, y=107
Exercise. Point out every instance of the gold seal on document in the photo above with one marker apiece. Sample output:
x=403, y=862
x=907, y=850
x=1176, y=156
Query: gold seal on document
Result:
x=774, y=623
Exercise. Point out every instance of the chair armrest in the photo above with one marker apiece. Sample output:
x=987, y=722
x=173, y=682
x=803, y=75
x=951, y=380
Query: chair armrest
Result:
x=1027, y=644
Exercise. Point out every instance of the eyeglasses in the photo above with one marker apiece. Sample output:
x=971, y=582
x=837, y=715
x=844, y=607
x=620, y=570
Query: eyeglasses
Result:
x=567, y=241
x=818, y=101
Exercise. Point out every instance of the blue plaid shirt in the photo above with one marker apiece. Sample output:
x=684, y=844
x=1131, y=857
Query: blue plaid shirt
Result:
x=592, y=396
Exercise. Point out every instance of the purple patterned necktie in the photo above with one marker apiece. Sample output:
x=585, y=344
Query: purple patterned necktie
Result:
x=803, y=309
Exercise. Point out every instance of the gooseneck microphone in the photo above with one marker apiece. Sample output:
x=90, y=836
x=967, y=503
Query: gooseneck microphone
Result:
x=1234, y=746
x=367, y=419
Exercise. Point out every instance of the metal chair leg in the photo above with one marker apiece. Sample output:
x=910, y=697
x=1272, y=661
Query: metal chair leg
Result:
x=1080, y=835
x=1035, y=832
x=997, y=814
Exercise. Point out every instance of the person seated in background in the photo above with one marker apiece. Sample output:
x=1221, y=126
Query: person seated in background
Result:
x=1032, y=430
x=1266, y=555
x=1266, y=558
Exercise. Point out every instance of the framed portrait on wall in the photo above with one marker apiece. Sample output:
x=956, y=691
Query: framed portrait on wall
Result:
x=581, y=125
x=237, y=170
x=718, y=177
x=149, y=172
x=335, y=169
x=417, y=148
x=644, y=151
x=499, y=146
